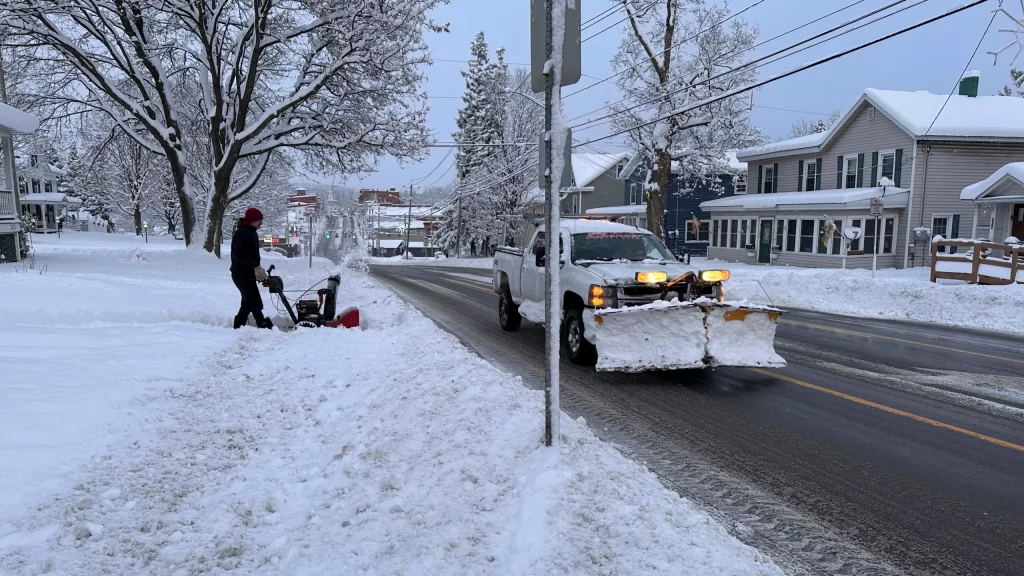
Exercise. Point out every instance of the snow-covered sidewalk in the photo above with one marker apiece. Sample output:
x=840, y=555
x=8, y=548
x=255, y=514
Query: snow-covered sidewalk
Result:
x=891, y=294
x=386, y=450
x=480, y=262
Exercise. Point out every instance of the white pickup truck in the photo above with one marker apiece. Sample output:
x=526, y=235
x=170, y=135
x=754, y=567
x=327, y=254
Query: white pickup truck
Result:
x=629, y=305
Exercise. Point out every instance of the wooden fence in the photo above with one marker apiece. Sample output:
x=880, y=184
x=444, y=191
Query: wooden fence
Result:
x=980, y=262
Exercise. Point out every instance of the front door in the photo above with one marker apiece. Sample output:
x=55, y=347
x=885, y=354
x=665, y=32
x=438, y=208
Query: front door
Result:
x=1017, y=222
x=764, y=243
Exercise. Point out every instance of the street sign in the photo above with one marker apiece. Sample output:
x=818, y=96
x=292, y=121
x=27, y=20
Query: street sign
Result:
x=566, y=180
x=571, y=67
x=877, y=206
x=310, y=211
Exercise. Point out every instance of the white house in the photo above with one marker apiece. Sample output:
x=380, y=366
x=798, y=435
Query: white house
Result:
x=12, y=122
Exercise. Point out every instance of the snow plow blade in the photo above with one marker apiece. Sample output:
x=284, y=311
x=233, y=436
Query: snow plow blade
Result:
x=680, y=335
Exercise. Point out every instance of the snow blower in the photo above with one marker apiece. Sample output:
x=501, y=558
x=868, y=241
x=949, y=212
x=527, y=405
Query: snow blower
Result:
x=310, y=313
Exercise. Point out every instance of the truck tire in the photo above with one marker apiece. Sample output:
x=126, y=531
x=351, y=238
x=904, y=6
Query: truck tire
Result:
x=577, y=348
x=508, y=311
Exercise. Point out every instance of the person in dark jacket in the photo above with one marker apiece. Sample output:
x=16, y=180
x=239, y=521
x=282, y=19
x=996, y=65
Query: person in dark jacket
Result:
x=246, y=271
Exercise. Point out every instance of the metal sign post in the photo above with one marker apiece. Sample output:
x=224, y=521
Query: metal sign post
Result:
x=877, y=207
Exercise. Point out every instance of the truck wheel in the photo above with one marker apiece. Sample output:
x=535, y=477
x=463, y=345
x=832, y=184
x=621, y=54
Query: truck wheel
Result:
x=576, y=346
x=508, y=312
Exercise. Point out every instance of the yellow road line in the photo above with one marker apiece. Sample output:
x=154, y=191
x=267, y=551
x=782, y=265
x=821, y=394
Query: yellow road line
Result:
x=893, y=339
x=890, y=409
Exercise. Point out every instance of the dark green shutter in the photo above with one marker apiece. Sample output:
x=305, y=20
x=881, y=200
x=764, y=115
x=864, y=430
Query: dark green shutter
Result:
x=860, y=170
x=817, y=174
x=874, y=169
x=760, y=175
x=800, y=177
x=775, y=178
x=898, y=169
x=954, y=232
x=839, y=173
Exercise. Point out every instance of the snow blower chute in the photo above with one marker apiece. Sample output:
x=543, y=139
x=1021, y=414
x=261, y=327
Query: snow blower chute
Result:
x=312, y=313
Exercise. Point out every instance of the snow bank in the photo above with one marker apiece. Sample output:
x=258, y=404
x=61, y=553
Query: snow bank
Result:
x=486, y=263
x=386, y=450
x=892, y=294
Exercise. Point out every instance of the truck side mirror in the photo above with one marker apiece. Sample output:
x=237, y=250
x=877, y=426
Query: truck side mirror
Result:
x=538, y=252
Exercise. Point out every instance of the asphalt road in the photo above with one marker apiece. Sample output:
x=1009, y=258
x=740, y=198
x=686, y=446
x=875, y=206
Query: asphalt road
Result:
x=882, y=448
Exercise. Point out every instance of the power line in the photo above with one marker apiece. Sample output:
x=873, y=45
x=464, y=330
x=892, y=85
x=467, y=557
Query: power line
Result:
x=644, y=10
x=429, y=174
x=808, y=66
x=592, y=21
x=771, y=55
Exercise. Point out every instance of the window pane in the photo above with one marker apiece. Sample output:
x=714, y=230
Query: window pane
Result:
x=703, y=234
x=819, y=246
x=837, y=237
x=855, y=245
x=869, y=236
x=890, y=229
x=791, y=236
x=806, y=235
x=780, y=226
x=939, y=226
x=714, y=232
x=888, y=166
x=723, y=239
x=851, y=173
x=733, y=229
x=811, y=170
x=769, y=177
x=752, y=233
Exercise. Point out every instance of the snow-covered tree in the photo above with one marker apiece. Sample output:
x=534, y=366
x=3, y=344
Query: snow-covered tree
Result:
x=664, y=64
x=1017, y=81
x=805, y=127
x=336, y=83
x=516, y=165
x=126, y=178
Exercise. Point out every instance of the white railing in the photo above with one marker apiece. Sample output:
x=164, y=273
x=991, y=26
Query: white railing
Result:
x=6, y=204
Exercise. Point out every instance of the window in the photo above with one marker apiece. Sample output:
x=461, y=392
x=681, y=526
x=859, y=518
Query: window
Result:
x=33, y=160
x=734, y=226
x=810, y=175
x=855, y=245
x=850, y=172
x=837, y=238
x=35, y=185
x=743, y=234
x=890, y=233
x=724, y=234
x=886, y=165
x=780, y=229
x=22, y=186
x=752, y=231
x=714, y=232
x=870, y=235
x=768, y=180
x=806, y=235
x=49, y=186
x=940, y=227
x=702, y=235
x=741, y=185
x=618, y=169
x=820, y=247
x=791, y=236
x=576, y=200
x=633, y=193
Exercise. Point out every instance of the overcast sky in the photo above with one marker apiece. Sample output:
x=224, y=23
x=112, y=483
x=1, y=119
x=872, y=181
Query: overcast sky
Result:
x=930, y=58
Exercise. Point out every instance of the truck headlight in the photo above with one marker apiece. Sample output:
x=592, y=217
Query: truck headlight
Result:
x=651, y=277
x=712, y=276
x=601, y=296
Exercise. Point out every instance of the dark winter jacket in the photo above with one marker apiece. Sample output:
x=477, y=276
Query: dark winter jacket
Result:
x=245, y=252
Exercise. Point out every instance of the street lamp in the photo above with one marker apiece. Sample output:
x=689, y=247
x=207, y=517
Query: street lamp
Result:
x=145, y=228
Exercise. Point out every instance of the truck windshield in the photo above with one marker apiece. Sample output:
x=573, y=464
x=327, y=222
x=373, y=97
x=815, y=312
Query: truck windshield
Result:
x=608, y=246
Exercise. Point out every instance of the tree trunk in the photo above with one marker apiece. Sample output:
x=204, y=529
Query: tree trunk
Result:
x=171, y=224
x=188, y=213
x=656, y=197
x=138, y=220
x=214, y=223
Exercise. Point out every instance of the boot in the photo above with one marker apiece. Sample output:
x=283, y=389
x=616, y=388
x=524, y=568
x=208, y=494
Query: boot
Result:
x=240, y=321
x=262, y=321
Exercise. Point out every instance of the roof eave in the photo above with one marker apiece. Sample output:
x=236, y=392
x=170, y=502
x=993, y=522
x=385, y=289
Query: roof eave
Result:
x=778, y=153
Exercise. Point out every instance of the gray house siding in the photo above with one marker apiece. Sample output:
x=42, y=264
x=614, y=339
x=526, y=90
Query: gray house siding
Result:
x=864, y=135
x=608, y=191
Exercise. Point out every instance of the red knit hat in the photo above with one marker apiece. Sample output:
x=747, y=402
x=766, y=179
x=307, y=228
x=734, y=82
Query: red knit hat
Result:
x=252, y=215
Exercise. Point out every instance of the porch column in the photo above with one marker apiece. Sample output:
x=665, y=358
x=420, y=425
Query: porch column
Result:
x=974, y=227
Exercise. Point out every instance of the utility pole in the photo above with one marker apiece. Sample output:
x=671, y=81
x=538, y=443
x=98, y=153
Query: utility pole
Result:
x=458, y=218
x=408, y=224
x=552, y=306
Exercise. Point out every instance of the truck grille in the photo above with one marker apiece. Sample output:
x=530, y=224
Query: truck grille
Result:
x=640, y=291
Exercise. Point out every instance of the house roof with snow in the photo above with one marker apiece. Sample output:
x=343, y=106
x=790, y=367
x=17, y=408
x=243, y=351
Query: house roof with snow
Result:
x=627, y=210
x=14, y=121
x=921, y=115
x=844, y=199
x=1004, y=185
x=587, y=167
x=48, y=198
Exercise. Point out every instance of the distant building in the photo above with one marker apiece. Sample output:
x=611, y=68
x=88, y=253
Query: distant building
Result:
x=12, y=122
x=383, y=197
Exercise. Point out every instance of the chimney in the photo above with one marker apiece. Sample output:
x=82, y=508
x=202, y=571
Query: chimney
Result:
x=392, y=190
x=969, y=84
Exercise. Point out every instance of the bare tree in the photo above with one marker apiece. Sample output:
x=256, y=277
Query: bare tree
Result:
x=127, y=179
x=337, y=83
x=805, y=127
x=679, y=53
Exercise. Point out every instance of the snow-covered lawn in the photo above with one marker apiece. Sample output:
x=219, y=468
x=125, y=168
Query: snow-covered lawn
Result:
x=478, y=262
x=892, y=294
x=141, y=435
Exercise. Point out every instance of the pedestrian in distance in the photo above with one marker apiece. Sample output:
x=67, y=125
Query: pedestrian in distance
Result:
x=246, y=271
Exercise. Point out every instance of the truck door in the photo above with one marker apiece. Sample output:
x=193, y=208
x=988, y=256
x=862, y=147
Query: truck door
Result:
x=531, y=279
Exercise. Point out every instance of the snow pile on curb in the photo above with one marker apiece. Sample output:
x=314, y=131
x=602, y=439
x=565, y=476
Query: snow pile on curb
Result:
x=892, y=294
x=444, y=262
x=386, y=450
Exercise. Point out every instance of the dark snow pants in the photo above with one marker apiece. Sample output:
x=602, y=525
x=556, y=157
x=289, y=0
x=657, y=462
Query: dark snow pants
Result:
x=252, y=302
